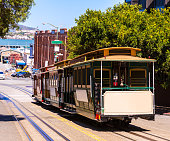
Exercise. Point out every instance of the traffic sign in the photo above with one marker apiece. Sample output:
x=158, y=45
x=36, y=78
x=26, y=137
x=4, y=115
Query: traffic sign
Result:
x=56, y=42
x=56, y=48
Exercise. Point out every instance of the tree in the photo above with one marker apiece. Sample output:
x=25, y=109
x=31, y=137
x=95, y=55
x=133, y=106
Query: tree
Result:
x=125, y=25
x=12, y=12
x=88, y=34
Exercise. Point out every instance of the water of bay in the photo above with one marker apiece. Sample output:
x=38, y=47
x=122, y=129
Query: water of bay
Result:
x=16, y=42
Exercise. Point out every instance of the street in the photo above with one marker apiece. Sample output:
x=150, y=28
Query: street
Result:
x=85, y=70
x=20, y=113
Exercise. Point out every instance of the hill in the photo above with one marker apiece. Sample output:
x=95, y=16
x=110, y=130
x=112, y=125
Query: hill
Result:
x=22, y=27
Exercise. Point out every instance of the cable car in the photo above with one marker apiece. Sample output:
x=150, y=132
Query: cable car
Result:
x=105, y=84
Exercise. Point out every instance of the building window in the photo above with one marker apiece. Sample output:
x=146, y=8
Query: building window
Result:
x=143, y=3
x=61, y=31
x=128, y=1
x=159, y=3
x=52, y=32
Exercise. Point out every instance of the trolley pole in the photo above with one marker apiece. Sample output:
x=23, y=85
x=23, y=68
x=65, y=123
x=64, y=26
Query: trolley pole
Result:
x=149, y=80
x=153, y=79
x=101, y=88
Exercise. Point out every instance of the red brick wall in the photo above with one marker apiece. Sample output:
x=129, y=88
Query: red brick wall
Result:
x=44, y=50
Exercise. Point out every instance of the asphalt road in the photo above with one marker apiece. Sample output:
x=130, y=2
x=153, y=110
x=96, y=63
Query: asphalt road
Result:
x=74, y=128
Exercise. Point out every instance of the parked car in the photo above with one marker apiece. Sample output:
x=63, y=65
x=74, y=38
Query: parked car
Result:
x=7, y=70
x=20, y=74
x=27, y=74
x=12, y=70
x=23, y=74
x=2, y=76
x=33, y=72
x=14, y=74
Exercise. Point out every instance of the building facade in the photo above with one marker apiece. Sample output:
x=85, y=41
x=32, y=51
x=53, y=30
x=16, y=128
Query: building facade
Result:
x=46, y=53
x=5, y=55
x=147, y=4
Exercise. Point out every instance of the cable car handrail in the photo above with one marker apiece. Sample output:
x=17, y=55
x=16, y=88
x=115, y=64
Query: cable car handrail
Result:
x=127, y=88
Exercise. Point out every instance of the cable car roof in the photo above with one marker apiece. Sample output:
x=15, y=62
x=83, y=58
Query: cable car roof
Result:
x=116, y=58
x=125, y=58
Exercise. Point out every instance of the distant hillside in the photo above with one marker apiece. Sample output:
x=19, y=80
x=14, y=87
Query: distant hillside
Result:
x=22, y=27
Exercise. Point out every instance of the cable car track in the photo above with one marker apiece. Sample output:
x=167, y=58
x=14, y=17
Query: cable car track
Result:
x=129, y=131
x=119, y=134
x=16, y=119
x=44, y=134
x=156, y=136
x=26, y=91
x=21, y=125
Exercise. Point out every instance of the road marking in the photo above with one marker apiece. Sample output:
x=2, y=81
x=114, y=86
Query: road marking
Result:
x=75, y=126
x=9, y=78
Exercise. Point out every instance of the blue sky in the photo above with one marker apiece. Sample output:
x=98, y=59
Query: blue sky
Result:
x=62, y=13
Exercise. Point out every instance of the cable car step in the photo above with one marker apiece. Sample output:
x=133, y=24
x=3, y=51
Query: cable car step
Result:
x=69, y=111
x=46, y=103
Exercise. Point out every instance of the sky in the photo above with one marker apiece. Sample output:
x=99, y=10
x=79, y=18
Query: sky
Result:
x=62, y=13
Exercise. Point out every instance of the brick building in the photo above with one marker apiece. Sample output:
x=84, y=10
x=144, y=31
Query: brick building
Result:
x=5, y=55
x=147, y=4
x=44, y=51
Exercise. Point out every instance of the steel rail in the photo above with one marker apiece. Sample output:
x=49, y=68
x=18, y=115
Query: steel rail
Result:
x=126, y=130
x=44, y=134
x=139, y=135
x=20, y=124
x=19, y=88
x=152, y=135
x=44, y=122
x=48, y=125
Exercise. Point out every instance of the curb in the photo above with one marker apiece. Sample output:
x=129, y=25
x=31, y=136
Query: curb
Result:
x=166, y=114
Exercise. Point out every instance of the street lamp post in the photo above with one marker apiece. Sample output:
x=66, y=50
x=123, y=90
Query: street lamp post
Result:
x=53, y=26
x=56, y=42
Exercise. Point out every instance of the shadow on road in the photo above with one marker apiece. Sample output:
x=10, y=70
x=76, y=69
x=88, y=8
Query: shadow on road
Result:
x=8, y=118
x=86, y=122
x=161, y=110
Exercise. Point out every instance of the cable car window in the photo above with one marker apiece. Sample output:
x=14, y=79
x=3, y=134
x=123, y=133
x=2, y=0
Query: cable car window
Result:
x=138, y=78
x=54, y=78
x=79, y=77
x=106, y=76
x=51, y=80
x=88, y=76
x=75, y=77
x=84, y=76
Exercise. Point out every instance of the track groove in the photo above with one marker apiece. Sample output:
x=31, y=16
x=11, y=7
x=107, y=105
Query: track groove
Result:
x=122, y=129
x=33, y=123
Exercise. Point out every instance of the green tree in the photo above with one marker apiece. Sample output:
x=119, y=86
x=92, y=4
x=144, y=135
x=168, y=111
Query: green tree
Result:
x=88, y=34
x=12, y=12
x=125, y=25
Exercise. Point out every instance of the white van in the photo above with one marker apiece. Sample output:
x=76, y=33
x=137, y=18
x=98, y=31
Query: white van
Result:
x=2, y=76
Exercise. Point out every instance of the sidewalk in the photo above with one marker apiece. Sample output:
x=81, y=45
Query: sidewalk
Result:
x=161, y=110
x=3, y=67
x=8, y=130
